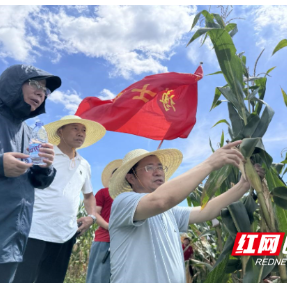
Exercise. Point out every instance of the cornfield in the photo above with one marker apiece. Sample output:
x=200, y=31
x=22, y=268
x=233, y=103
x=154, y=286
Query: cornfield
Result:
x=79, y=260
x=264, y=208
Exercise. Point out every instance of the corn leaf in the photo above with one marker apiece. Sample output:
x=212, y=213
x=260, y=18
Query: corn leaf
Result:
x=229, y=27
x=239, y=216
x=234, y=31
x=199, y=33
x=221, y=121
x=254, y=273
x=273, y=179
x=215, y=73
x=252, y=124
x=201, y=264
x=284, y=96
x=250, y=206
x=216, y=97
x=222, y=139
x=265, y=120
x=261, y=92
x=218, y=274
x=236, y=121
x=219, y=20
x=211, y=145
x=278, y=167
x=228, y=246
x=280, y=45
x=206, y=14
x=231, y=97
x=271, y=69
x=248, y=145
x=281, y=215
x=280, y=196
x=213, y=183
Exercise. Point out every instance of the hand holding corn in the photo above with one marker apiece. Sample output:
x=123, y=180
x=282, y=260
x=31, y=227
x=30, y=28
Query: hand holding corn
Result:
x=226, y=155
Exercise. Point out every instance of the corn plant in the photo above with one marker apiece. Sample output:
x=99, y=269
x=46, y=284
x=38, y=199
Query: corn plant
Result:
x=79, y=260
x=264, y=208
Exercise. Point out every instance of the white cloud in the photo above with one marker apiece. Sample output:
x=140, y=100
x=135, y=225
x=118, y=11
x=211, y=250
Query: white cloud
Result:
x=269, y=20
x=106, y=94
x=132, y=38
x=78, y=8
x=16, y=40
x=205, y=53
x=70, y=100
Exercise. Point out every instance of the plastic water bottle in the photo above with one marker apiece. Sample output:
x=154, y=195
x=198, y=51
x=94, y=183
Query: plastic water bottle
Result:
x=39, y=136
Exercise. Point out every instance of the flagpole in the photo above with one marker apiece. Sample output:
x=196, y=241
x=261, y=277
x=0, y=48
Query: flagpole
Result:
x=160, y=144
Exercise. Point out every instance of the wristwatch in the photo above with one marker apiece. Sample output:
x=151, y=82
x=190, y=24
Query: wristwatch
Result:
x=93, y=217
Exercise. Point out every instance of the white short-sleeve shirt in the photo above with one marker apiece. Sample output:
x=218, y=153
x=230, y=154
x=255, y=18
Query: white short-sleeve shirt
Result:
x=147, y=251
x=56, y=207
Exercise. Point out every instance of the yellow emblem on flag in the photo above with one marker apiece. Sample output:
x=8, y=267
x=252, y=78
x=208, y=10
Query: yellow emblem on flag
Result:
x=167, y=101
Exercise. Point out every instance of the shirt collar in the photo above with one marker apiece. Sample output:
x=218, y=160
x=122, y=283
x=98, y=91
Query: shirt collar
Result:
x=58, y=151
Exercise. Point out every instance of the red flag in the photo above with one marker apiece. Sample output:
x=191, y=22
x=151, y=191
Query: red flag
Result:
x=159, y=107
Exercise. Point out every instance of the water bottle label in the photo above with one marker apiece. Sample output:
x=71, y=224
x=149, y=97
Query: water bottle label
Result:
x=34, y=149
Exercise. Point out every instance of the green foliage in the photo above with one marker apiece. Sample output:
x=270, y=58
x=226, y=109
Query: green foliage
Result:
x=280, y=45
x=219, y=274
x=79, y=260
x=249, y=117
x=284, y=96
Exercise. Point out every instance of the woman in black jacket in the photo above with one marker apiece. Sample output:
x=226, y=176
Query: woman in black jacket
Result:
x=23, y=92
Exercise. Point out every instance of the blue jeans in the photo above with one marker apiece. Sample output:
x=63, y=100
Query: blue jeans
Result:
x=98, y=272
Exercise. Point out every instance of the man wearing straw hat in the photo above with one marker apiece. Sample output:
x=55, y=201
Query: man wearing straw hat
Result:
x=54, y=226
x=99, y=270
x=145, y=221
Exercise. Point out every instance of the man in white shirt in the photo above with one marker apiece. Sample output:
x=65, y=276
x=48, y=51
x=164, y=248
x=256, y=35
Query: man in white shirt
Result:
x=54, y=225
x=145, y=222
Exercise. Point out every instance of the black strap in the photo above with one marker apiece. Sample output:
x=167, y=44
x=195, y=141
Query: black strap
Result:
x=22, y=144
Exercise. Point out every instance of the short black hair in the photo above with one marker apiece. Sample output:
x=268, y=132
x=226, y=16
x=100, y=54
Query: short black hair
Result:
x=132, y=171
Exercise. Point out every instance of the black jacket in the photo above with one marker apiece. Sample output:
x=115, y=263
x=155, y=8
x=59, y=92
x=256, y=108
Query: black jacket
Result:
x=17, y=193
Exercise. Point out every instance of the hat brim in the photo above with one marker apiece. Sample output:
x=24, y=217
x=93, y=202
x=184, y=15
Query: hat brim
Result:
x=107, y=172
x=94, y=131
x=52, y=82
x=171, y=158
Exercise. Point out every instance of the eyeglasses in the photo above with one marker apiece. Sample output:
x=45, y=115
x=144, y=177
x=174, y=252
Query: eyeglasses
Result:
x=152, y=168
x=36, y=85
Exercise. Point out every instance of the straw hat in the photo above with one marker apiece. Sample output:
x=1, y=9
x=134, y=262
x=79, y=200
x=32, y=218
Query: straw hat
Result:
x=94, y=130
x=185, y=236
x=168, y=157
x=107, y=172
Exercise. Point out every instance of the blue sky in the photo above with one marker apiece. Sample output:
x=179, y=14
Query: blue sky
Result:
x=100, y=50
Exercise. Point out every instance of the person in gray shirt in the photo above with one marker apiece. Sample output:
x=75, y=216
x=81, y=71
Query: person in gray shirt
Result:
x=145, y=221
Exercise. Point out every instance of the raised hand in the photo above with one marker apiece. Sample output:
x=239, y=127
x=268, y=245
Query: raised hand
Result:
x=226, y=155
x=13, y=167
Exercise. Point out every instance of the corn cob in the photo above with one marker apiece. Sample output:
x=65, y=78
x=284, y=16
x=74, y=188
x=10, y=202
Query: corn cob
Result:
x=252, y=176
